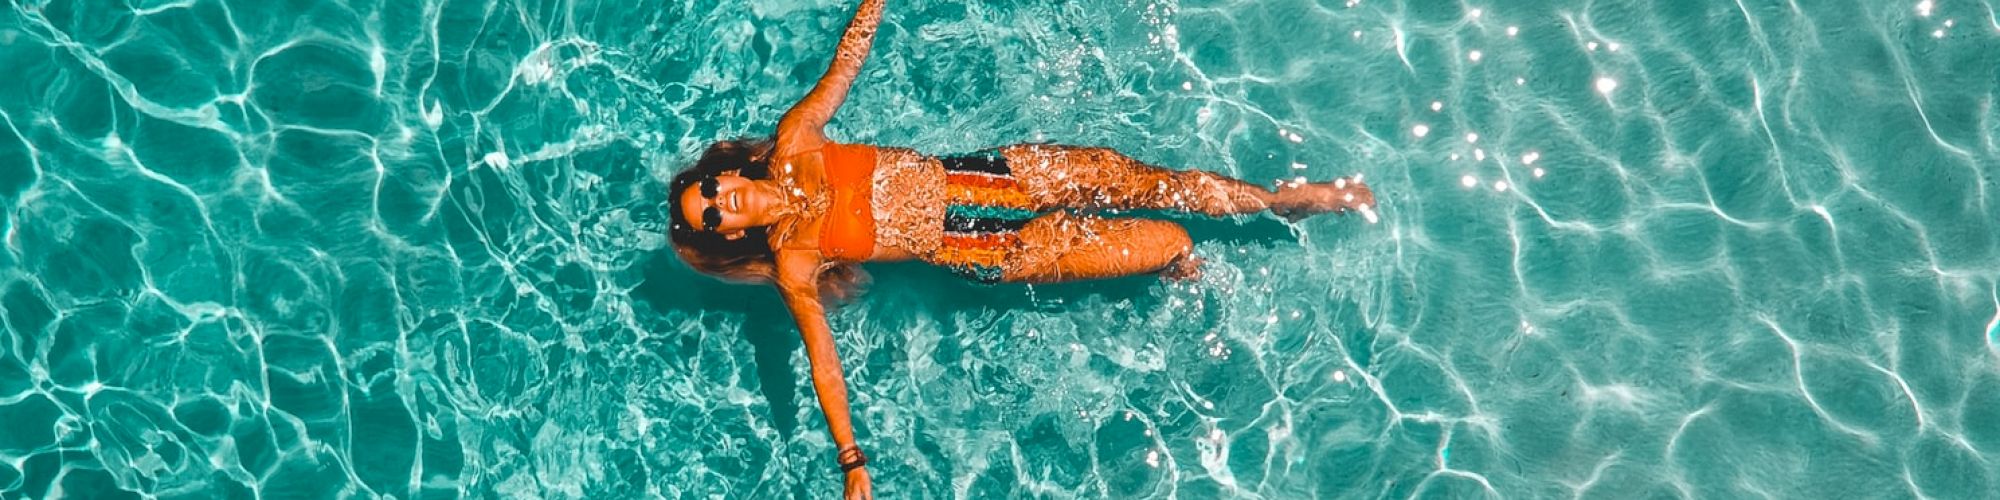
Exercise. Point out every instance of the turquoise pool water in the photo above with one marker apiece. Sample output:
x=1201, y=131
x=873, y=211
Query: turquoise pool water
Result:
x=413, y=249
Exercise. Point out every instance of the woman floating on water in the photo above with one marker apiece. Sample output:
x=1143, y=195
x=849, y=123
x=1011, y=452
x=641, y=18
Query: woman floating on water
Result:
x=800, y=211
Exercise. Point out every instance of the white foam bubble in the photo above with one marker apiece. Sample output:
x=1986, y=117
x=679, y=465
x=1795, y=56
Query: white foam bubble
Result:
x=433, y=114
x=1468, y=181
x=1993, y=327
x=1472, y=138
x=497, y=160
x=1605, y=85
x=1500, y=186
x=1924, y=8
x=1475, y=55
x=1421, y=130
x=1437, y=105
x=379, y=64
x=537, y=68
x=1513, y=30
x=1539, y=172
x=1529, y=159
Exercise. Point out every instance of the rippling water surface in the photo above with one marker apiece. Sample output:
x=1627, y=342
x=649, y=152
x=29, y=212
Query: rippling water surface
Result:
x=413, y=249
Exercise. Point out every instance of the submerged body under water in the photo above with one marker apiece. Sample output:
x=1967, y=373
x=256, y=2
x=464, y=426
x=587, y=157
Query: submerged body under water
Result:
x=416, y=249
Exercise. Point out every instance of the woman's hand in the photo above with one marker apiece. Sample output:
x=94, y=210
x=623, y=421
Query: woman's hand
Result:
x=858, y=487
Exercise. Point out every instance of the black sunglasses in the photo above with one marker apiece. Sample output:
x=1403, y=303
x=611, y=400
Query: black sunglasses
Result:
x=711, y=217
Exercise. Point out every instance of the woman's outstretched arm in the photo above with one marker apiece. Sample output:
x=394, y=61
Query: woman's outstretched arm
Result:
x=810, y=115
x=798, y=281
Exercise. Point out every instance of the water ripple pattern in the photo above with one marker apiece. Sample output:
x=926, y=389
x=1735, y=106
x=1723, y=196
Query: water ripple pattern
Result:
x=1715, y=249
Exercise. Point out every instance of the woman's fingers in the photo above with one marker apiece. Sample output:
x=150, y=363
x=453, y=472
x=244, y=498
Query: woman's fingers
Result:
x=858, y=487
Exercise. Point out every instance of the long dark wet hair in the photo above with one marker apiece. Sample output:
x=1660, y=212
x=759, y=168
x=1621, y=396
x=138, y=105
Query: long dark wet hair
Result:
x=748, y=259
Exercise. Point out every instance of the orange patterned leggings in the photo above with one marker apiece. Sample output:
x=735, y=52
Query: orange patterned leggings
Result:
x=1023, y=214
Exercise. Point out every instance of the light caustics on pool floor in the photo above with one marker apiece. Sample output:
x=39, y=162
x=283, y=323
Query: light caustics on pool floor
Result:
x=1713, y=249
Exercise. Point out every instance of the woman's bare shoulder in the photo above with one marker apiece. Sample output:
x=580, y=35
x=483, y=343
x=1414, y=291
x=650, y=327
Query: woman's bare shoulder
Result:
x=803, y=236
x=793, y=139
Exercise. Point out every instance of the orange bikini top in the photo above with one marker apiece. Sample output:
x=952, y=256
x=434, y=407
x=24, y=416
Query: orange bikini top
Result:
x=848, y=234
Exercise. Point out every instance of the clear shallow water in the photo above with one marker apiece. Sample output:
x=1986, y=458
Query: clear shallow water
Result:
x=413, y=249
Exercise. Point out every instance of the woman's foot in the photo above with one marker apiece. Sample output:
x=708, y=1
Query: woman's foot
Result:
x=1187, y=267
x=1298, y=200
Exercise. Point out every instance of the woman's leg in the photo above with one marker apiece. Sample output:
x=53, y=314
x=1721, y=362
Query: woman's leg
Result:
x=1101, y=178
x=1060, y=246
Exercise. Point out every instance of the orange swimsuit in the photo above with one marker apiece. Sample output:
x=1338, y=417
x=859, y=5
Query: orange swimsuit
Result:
x=849, y=231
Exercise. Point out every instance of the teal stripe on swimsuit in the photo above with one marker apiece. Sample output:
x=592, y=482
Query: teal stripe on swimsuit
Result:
x=986, y=212
x=982, y=274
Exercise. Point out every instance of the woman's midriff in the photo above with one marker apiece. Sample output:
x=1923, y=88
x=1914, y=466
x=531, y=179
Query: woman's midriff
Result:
x=908, y=202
